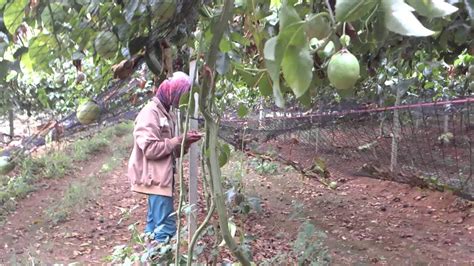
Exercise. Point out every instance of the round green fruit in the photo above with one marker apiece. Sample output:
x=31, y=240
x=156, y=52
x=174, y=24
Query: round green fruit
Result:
x=333, y=185
x=343, y=70
x=88, y=112
x=106, y=44
x=6, y=166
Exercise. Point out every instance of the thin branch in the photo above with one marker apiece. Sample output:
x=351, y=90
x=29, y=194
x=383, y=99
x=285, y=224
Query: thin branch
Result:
x=331, y=14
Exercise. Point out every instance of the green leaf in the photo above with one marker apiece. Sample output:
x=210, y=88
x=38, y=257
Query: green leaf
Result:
x=40, y=51
x=224, y=154
x=43, y=98
x=400, y=19
x=288, y=16
x=238, y=38
x=222, y=63
x=265, y=85
x=26, y=63
x=13, y=15
x=317, y=26
x=225, y=45
x=233, y=231
x=2, y=3
x=297, y=69
x=58, y=14
x=350, y=10
x=432, y=8
x=273, y=70
x=242, y=111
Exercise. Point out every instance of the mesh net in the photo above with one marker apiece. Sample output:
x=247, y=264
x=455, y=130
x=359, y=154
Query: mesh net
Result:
x=429, y=145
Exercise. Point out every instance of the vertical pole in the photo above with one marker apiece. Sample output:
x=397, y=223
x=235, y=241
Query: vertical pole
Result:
x=446, y=123
x=193, y=163
x=396, y=132
x=11, y=119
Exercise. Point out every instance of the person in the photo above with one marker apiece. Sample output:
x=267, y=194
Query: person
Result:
x=151, y=166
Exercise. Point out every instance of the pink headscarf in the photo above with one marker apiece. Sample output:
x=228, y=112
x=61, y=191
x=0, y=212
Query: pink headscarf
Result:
x=171, y=89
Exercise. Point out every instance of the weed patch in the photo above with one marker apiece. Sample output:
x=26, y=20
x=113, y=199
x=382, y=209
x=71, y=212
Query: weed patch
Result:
x=76, y=196
x=57, y=164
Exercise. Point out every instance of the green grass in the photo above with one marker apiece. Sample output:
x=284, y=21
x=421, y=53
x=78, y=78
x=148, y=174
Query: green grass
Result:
x=59, y=163
x=75, y=197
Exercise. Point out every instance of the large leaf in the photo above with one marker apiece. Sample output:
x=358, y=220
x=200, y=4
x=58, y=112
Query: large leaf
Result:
x=269, y=49
x=2, y=3
x=58, y=15
x=273, y=70
x=40, y=51
x=288, y=16
x=224, y=154
x=350, y=10
x=13, y=15
x=297, y=69
x=265, y=85
x=432, y=8
x=400, y=19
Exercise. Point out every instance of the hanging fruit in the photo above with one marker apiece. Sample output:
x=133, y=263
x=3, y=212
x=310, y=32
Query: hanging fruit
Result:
x=343, y=70
x=106, y=44
x=88, y=112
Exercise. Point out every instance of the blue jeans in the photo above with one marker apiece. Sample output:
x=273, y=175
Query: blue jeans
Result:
x=160, y=221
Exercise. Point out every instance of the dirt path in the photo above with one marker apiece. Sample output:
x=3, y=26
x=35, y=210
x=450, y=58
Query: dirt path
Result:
x=366, y=221
x=369, y=221
x=88, y=234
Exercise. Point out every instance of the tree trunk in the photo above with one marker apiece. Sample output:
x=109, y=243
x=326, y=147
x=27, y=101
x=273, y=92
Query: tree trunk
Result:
x=205, y=105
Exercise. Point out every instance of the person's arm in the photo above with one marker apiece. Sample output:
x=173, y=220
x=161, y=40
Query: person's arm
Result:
x=148, y=137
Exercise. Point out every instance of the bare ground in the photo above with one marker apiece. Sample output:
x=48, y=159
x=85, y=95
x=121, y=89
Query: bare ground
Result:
x=367, y=221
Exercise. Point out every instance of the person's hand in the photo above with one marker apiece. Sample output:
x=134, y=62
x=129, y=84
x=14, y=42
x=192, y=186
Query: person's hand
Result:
x=191, y=137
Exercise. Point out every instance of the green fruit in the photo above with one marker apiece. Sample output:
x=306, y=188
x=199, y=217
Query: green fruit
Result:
x=333, y=185
x=317, y=26
x=345, y=40
x=343, y=70
x=88, y=112
x=327, y=51
x=6, y=166
x=106, y=44
x=471, y=70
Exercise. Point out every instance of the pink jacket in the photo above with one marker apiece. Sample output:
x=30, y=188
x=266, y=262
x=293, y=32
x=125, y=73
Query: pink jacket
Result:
x=151, y=164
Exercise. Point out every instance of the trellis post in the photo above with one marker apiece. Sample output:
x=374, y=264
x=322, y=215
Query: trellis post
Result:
x=396, y=132
x=193, y=163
